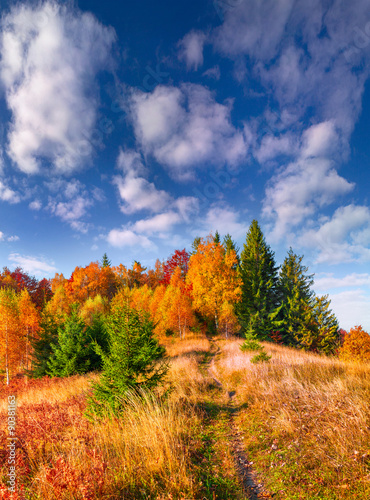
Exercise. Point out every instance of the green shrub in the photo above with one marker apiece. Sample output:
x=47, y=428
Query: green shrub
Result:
x=250, y=344
x=261, y=357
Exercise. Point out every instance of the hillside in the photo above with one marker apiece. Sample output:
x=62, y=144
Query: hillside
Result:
x=297, y=427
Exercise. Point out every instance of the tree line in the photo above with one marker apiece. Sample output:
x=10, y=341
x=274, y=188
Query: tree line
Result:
x=61, y=326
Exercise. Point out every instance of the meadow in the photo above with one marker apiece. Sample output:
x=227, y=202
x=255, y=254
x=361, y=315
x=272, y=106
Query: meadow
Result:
x=296, y=427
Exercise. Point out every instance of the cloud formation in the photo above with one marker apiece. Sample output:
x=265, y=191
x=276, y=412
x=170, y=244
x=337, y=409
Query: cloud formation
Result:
x=32, y=265
x=50, y=57
x=191, y=49
x=185, y=128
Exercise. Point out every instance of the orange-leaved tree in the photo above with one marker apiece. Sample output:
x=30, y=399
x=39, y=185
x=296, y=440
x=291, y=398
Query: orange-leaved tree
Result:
x=213, y=278
x=10, y=347
x=176, y=305
x=29, y=318
x=356, y=345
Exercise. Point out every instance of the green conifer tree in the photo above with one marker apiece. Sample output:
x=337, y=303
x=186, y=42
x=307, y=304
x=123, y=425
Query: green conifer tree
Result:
x=75, y=353
x=296, y=319
x=229, y=244
x=217, y=238
x=105, y=262
x=134, y=361
x=42, y=345
x=258, y=271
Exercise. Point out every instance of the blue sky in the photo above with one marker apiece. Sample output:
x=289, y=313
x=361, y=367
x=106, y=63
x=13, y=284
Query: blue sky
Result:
x=130, y=128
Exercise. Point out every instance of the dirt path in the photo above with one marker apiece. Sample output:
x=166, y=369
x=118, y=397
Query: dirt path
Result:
x=253, y=489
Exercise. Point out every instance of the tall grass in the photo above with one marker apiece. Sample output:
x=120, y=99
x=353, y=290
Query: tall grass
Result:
x=308, y=420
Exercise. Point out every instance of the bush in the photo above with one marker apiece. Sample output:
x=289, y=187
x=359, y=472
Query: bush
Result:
x=250, y=344
x=261, y=357
x=356, y=345
x=133, y=363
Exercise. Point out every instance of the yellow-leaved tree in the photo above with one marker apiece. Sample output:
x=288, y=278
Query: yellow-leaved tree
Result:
x=214, y=280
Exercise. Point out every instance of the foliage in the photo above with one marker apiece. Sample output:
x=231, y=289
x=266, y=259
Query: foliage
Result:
x=356, y=345
x=179, y=259
x=134, y=361
x=213, y=279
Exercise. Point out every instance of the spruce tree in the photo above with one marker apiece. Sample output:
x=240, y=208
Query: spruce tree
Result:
x=296, y=318
x=229, y=245
x=105, y=262
x=258, y=271
x=217, y=238
x=74, y=353
x=43, y=345
x=134, y=361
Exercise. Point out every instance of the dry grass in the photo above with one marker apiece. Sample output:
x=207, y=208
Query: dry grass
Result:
x=144, y=454
x=315, y=408
x=305, y=420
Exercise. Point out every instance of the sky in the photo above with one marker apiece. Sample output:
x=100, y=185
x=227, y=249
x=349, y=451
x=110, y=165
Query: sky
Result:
x=132, y=127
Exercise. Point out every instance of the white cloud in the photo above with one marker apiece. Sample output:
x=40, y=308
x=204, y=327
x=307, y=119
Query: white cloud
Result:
x=337, y=239
x=8, y=238
x=71, y=202
x=35, y=205
x=328, y=281
x=191, y=49
x=184, y=128
x=7, y=194
x=51, y=55
x=224, y=220
x=126, y=238
x=160, y=223
x=351, y=307
x=299, y=190
x=305, y=73
x=32, y=265
x=214, y=72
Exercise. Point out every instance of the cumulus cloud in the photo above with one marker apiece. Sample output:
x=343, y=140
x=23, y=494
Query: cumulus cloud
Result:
x=7, y=194
x=121, y=238
x=191, y=49
x=35, y=205
x=158, y=224
x=50, y=57
x=222, y=219
x=184, y=128
x=311, y=182
x=135, y=191
x=32, y=265
x=343, y=238
x=3, y=237
x=71, y=202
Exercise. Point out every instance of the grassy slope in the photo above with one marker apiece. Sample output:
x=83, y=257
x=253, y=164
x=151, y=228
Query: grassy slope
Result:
x=304, y=421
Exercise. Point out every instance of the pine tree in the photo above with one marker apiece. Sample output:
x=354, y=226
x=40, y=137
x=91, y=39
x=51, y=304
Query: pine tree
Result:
x=134, y=360
x=74, y=353
x=42, y=345
x=229, y=245
x=217, y=238
x=258, y=272
x=105, y=262
x=296, y=316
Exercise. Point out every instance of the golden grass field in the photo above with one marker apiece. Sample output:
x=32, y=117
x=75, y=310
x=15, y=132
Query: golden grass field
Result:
x=303, y=420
